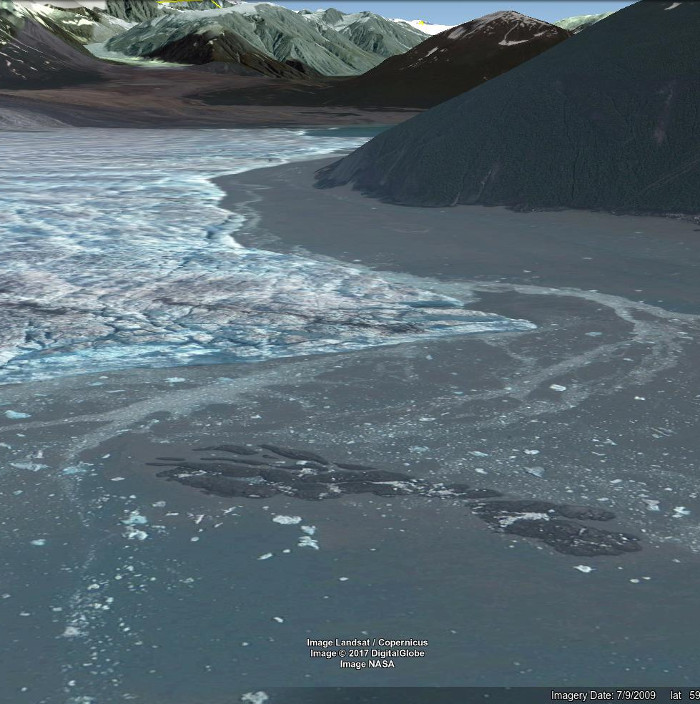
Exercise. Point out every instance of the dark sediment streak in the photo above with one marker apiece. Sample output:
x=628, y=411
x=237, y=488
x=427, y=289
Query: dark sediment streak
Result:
x=538, y=520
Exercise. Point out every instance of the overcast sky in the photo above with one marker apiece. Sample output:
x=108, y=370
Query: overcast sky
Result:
x=443, y=11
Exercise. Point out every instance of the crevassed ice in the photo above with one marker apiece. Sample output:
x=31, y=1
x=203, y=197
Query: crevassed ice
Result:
x=115, y=254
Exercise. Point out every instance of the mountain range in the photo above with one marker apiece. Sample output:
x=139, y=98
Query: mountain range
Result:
x=326, y=42
x=440, y=67
x=451, y=62
x=604, y=121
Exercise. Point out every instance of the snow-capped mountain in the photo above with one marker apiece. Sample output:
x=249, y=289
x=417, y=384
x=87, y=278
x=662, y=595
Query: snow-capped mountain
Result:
x=450, y=63
x=425, y=27
x=310, y=40
x=35, y=52
x=605, y=121
x=580, y=22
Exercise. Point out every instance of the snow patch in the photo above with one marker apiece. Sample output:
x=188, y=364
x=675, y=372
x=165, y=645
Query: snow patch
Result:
x=506, y=521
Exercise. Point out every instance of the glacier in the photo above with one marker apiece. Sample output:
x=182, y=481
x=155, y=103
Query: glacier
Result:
x=116, y=254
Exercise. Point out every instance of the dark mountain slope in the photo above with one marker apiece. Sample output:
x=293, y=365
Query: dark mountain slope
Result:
x=218, y=45
x=31, y=56
x=606, y=120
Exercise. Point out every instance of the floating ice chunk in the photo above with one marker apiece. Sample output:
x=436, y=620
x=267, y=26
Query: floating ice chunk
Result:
x=594, y=334
x=79, y=468
x=306, y=541
x=287, y=520
x=135, y=519
x=480, y=470
x=476, y=453
x=652, y=504
x=634, y=581
x=266, y=556
x=343, y=579
x=132, y=533
x=680, y=511
x=117, y=479
x=557, y=387
x=309, y=530
x=639, y=398
x=535, y=471
x=673, y=6
x=71, y=632
x=16, y=415
x=584, y=568
x=31, y=466
x=254, y=697
x=531, y=452
x=175, y=379
x=39, y=542
x=279, y=619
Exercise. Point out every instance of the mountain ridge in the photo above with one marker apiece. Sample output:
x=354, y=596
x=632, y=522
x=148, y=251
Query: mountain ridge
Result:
x=603, y=121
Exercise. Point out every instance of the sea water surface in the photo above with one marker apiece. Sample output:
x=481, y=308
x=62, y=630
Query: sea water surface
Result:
x=115, y=254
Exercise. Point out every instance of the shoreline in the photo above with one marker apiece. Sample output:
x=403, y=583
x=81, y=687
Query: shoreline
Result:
x=537, y=238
